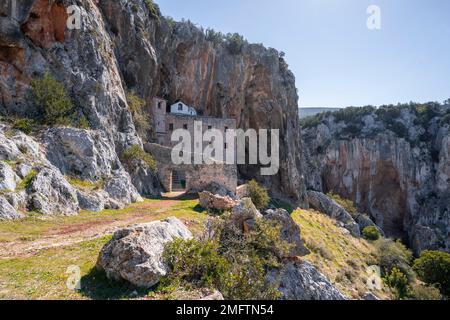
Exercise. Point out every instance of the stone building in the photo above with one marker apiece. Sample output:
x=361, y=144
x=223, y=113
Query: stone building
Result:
x=187, y=177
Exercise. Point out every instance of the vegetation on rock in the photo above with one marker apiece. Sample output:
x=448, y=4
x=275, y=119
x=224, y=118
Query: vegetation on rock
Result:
x=51, y=98
x=258, y=194
x=136, y=154
x=232, y=262
x=371, y=233
x=140, y=117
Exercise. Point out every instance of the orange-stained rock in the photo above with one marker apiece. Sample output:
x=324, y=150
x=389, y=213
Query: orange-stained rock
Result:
x=46, y=24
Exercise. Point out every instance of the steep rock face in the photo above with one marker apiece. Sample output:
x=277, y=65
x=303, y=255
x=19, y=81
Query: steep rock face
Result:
x=397, y=171
x=122, y=46
x=175, y=61
x=35, y=39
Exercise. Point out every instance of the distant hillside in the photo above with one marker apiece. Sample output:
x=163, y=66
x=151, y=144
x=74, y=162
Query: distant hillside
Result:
x=306, y=112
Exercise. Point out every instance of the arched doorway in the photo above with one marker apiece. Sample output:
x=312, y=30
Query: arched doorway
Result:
x=178, y=181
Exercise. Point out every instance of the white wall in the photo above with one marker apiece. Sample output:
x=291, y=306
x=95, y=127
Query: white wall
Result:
x=185, y=109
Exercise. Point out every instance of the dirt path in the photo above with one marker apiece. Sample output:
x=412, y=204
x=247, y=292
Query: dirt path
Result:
x=72, y=234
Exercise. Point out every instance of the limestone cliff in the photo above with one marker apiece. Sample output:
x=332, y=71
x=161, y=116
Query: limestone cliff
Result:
x=394, y=162
x=122, y=45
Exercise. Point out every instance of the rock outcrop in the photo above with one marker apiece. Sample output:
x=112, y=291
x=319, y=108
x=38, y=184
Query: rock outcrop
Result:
x=7, y=211
x=392, y=162
x=324, y=204
x=36, y=173
x=215, y=202
x=290, y=231
x=135, y=254
x=302, y=281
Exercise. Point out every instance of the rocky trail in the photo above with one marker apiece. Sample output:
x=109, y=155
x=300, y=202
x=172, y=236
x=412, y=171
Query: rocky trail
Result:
x=65, y=235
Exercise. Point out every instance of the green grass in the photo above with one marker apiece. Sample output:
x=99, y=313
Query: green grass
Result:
x=36, y=225
x=43, y=275
x=341, y=257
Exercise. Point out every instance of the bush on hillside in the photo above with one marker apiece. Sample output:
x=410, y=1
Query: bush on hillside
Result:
x=258, y=194
x=433, y=267
x=152, y=8
x=397, y=281
x=371, y=233
x=25, y=125
x=234, y=263
x=393, y=254
x=419, y=291
x=135, y=154
x=51, y=98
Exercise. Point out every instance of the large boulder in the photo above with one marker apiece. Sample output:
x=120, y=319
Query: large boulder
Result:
x=8, y=178
x=135, y=254
x=51, y=194
x=290, y=231
x=7, y=211
x=324, y=204
x=302, y=281
x=215, y=202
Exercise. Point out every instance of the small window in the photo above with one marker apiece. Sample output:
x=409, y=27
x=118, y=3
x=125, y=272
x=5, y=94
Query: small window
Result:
x=171, y=127
x=209, y=127
x=226, y=129
x=225, y=146
x=159, y=105
x=185, y=126
x=180, y=107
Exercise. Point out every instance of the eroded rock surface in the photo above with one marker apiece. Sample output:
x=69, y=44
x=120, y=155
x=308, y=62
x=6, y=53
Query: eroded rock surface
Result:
x=302, y=281
x=215, y=202
x=393, y=163
x=135, y=254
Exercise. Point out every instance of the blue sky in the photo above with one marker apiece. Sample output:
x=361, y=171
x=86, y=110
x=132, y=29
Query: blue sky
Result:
x=336, y=59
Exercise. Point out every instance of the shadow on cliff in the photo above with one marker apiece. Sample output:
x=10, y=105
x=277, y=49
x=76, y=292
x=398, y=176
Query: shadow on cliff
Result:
x=95, y=285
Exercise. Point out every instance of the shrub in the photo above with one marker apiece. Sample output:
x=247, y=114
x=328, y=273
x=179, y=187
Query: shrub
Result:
x=423, y=292
x=195, y=264
x=232, y=262
x=83, y=123
x=397, y=281
x=140, y=117
x=235, y=42
x=152, y=8
x=26, y=181
x=215, y=37
x=433, y=267
x=24, y=125
x=136, y=154
x=51, y=97
x=258, y=194
x=371, y=233
x=394, y=254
